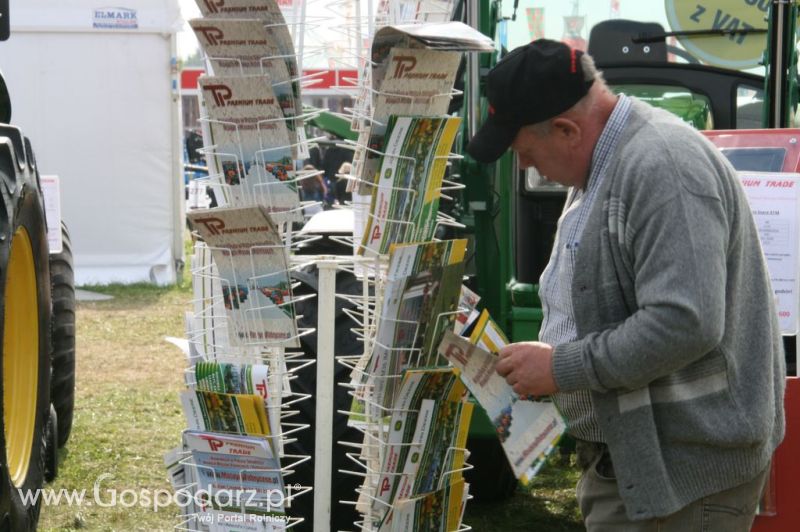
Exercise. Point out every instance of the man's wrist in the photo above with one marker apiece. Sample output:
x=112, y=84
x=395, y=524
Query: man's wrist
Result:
x=569, y=372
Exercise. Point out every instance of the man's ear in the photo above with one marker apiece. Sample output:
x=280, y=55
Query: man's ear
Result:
x=567, y=130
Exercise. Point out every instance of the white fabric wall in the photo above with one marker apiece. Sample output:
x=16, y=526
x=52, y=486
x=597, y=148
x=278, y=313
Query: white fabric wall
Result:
x=100, y=111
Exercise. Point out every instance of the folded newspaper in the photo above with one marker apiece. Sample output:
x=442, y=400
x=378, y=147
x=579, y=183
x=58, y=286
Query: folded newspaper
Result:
x=528, y=430
x=450, y=35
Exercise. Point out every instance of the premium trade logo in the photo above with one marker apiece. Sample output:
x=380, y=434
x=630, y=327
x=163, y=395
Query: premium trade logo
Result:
x=212, y=34
x=220, y=93
x=214, y=225
x=214, y=5
x=405, y=63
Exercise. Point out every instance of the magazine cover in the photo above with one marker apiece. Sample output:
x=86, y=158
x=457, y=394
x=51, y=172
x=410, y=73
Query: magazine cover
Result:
x=405, y=200
x=253, y=265
x=436, y=455
x=251, y=144
x=528, y=430
x=223, y=412
x=245, y=467
x=450, y=422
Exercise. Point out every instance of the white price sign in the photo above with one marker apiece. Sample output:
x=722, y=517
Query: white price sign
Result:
x=775, y=202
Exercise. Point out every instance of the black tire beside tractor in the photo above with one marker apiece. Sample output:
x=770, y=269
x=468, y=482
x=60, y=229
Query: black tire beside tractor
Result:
x=25, y=310
x=62, y=385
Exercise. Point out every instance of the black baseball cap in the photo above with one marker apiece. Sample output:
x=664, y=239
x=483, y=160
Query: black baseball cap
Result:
x=532, y=83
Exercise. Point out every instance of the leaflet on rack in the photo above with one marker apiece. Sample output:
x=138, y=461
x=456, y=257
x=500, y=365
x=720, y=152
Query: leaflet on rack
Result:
x=245, y=467
x=181, y=479
x=253, y=265
x=439, y=511
x=422, y=287
x=408, y=82
x=224, y=412
x=251, y=144
x=405, y=201
x=528, y=430
x=250, y=379
x=245, y=47
x=421, y=433
x=269, y=14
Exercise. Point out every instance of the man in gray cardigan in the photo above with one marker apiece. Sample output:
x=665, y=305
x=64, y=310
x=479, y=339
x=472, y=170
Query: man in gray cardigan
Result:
x=660, y=343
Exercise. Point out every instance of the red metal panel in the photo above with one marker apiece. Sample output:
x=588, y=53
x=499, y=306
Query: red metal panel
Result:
x=786, y=470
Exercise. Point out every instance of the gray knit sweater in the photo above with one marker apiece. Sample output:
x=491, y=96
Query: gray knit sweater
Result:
x=679, y=341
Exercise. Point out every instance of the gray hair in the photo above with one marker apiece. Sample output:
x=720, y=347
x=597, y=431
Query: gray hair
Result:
x=590, y=73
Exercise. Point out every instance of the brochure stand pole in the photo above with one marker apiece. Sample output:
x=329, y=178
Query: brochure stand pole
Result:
x=323, y=438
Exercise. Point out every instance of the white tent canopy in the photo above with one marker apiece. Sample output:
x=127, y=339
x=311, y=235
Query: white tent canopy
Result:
x=94, y=87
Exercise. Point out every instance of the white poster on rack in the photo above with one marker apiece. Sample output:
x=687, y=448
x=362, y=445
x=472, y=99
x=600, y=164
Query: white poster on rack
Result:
x=775, y=202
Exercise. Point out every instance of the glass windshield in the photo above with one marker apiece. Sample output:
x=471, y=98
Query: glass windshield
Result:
x=573, y=22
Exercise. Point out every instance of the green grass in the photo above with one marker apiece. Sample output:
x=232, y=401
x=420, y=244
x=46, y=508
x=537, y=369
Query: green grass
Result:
x=547, y=505
x=128, y=415
x=127, y=412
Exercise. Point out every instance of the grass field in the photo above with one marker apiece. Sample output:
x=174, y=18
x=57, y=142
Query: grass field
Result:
x=127, y=412
x=127, y=415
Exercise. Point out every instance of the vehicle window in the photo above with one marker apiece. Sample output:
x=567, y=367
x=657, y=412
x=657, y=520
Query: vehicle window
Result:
x=749, y=107
x=692, y=108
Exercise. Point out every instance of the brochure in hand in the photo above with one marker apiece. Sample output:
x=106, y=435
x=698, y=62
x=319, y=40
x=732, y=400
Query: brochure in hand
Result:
x=528, y=430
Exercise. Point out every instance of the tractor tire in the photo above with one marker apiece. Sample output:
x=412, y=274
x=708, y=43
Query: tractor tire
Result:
x=62, y=385
x=51, y=446
x=25, y=317
x=343, y=485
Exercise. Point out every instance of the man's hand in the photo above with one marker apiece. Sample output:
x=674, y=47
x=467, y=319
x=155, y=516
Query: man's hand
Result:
x=528, y=368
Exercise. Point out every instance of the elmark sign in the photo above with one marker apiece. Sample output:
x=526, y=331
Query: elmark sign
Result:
x=115, y=18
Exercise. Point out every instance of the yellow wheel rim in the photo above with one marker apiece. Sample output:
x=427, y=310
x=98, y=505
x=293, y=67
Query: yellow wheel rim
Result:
x=20, y=357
